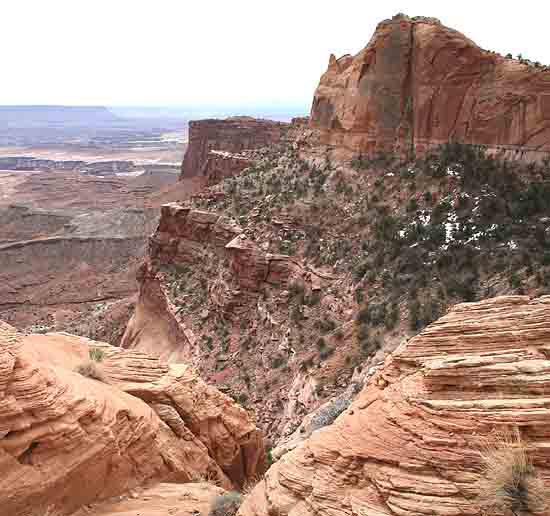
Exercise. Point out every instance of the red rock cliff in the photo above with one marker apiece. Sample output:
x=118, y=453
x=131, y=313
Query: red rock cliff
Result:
x=224, y=137
x=418, y=84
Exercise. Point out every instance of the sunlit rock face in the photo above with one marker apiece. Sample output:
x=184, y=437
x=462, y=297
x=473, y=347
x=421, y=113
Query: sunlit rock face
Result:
x=213, y=139
x=410, y=443
x=67, y=440
x=418, y=84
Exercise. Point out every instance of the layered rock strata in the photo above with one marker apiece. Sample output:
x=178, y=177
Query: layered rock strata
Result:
x=67, y=440
x=192, y=237
x=418, y=84
x=410, y=443
x=232, y=136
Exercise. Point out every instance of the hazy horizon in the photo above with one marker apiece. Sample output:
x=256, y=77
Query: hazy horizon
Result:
x=130, y=54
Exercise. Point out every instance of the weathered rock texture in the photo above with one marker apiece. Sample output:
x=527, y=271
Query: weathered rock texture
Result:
x=67, y=440
x=229, y=136
x=192, y=237
x=409, y=444
x=161, y=500
x=419, y=84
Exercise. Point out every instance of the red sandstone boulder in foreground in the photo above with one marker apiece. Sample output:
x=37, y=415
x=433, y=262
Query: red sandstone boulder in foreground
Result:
x=214, y=145
x=409, y=444
x=418, y=84
x=67, y=440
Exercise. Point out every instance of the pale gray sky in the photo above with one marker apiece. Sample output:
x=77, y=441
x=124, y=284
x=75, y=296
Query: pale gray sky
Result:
x=182, y=52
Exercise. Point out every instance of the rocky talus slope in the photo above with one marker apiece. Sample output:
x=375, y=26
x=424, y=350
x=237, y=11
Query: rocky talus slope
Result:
x=410, y=443
x=418, y=84
x=67, y=440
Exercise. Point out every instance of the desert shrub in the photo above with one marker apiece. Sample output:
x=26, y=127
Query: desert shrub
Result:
x=277, y=361
x=226, y=504
x=386, y=228
x=360, y=270
x=392, y=317
x=510, y=483
x=96, y=354
x=91, y=369
x=325, y=325
x=360, y=163
x=325, y=353
x=327, y=415
x=373, y=314
x=412, y=205
x=313, y=299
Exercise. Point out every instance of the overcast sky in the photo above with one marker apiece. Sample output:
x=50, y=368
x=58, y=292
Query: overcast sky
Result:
x=219, y=52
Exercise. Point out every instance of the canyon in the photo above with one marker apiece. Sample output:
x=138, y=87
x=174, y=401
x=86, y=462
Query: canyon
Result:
x=332, y=315
x=76, y=212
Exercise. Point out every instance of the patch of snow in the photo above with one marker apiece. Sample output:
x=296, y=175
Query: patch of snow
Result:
x=424, y=217
x=453, y=172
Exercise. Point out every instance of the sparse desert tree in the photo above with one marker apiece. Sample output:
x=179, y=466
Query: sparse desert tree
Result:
x=510, y=484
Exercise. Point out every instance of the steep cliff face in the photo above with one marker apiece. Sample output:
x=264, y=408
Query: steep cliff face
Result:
x=213, y=297
x=410, y=443
x=67, y=440
x=234, y=272
x=419, y=84
x=212, y=140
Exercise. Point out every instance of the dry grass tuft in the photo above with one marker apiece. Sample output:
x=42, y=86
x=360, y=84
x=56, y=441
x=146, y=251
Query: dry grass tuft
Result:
x=92, y=369
x=226, y=504
x=510, y=484
x=96, y=354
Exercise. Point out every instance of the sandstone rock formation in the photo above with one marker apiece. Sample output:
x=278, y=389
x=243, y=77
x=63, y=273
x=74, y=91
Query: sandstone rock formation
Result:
x=160, y=500
x=195, y=238
x=409, y=444
x=418, y=84
x=230, y=136
x=67, y=440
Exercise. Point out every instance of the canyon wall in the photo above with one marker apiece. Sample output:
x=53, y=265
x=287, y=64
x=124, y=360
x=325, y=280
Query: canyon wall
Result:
x=419, y=84
x=410, y=443
x=227, y=137
x=196, y=238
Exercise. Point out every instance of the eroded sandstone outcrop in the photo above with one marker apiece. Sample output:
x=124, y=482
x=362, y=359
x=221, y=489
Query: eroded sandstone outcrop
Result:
x=409, y=444
x=419, y=84
x=67, y=440
x=214, y=145
x=161, y=500
x=197, y=238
